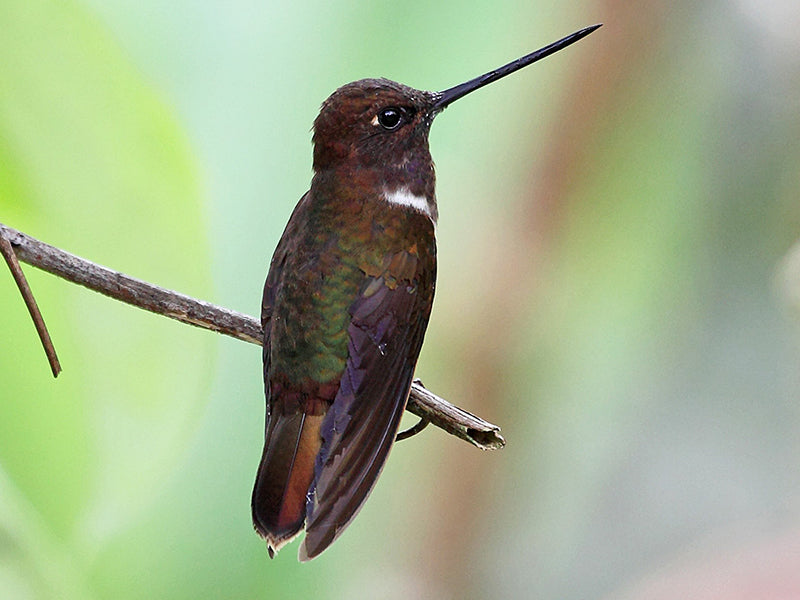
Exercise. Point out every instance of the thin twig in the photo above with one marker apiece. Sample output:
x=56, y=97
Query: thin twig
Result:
x=185, y=309
x=27, y=295
x=414, y=429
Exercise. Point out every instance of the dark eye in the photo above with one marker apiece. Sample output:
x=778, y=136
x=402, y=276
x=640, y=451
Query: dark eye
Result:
x=390, y=118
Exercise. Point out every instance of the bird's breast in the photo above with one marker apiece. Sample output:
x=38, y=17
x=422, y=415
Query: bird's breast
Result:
x=342, y=247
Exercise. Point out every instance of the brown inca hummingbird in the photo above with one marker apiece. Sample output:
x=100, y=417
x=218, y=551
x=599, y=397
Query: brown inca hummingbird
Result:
x=346, y=304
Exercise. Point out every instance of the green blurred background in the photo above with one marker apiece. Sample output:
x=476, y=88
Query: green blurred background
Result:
x=618, y=290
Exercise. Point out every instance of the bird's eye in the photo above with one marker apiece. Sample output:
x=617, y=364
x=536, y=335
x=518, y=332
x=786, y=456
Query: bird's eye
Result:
x=390, y=118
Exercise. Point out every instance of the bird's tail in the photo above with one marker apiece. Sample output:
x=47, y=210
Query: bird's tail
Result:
x=285, y=474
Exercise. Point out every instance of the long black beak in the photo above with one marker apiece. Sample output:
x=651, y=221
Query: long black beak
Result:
x=447, y=97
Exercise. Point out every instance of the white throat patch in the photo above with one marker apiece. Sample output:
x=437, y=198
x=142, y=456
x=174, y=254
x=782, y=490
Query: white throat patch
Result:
x=403, y=197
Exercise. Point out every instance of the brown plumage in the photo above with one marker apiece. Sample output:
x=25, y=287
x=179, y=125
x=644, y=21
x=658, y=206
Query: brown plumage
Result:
x=345, y=308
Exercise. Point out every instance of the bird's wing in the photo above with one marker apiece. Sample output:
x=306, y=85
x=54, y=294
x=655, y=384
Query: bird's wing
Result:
x=388, y=323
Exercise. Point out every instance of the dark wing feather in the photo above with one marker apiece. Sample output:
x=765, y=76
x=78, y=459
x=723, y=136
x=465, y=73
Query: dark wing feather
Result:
x=386, y=331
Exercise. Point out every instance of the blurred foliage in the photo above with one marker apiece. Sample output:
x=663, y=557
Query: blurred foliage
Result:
x=616, y=289
x=94, y=162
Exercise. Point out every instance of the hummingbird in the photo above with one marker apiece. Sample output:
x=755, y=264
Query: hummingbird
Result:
x=346, y=303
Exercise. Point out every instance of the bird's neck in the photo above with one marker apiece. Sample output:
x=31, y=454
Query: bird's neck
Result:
x=407, y=187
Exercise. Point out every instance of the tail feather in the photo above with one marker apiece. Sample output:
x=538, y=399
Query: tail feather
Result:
x=284, y=477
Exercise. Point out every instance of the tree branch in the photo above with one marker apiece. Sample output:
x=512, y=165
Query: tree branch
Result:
x=33, y=309
x=202, y=314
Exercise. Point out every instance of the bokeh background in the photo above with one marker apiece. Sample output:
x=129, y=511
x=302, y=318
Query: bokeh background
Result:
x=619, y=289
